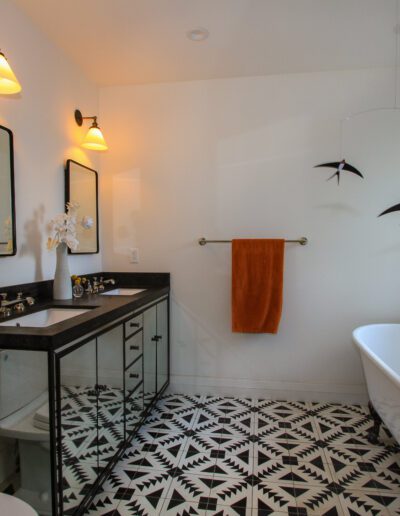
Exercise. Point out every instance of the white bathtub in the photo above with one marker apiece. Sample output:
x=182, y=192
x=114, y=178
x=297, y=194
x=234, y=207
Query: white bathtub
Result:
x=380, y=353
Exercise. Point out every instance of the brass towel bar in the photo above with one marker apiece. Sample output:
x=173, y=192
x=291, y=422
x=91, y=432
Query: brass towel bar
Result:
x=204, y=241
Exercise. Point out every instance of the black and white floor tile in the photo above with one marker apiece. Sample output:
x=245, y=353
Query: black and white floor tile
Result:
x=205, y=455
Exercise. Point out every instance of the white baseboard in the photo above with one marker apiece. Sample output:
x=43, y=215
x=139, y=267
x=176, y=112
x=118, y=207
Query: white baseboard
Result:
x=250, y=388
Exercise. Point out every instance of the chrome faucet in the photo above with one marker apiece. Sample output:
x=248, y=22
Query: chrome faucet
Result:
x=18, y=303
x=96, y=284
x=110, y=281
x=100, y=286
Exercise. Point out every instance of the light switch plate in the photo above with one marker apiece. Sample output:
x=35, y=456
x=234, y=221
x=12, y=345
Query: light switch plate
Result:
x=134, y=255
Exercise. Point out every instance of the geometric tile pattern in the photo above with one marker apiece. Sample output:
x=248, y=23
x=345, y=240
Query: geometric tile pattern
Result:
x=92, y=425
x=207, y=455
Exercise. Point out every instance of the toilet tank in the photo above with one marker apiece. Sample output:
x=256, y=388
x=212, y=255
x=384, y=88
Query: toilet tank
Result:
x=23, y=377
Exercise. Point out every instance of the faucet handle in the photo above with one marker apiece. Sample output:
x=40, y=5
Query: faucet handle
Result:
x=30, y=300
x=3, y=301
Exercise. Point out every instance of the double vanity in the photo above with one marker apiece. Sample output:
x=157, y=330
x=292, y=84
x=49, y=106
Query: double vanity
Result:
x=82, y=376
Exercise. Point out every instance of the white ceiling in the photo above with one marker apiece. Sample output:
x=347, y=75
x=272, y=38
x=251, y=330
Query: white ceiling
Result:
x=120, y=42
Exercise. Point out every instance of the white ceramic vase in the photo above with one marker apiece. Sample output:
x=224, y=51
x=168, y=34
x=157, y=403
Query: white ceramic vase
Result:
x=62, y=287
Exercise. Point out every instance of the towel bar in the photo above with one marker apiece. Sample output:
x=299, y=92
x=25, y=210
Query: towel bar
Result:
x=204, y=241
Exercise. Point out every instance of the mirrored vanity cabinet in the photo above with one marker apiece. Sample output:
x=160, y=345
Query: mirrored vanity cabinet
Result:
x=106, y=367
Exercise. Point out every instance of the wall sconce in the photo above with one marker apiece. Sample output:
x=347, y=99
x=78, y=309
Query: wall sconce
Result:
x=8, y=82
x=94, y=139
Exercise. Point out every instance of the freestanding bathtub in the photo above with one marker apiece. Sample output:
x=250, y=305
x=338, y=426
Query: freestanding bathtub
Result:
x=380, y=353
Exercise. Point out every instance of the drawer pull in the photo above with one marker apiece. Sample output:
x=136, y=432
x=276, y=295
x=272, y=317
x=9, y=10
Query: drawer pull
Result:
x=134, y=348
x=133, y=375
x=134, y=325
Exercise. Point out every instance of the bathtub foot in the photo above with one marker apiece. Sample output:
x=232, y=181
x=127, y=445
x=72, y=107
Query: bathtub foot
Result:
x=373, y=433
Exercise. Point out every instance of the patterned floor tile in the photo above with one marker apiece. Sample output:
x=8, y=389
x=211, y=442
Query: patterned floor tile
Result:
x=360, y=503
x=374, y=457
x=316, y=473
x=337, y=430
x=104, y=504
x=167, y=454
x=229, y=407
x=234, y=493
x=317, y=501
x=175, y=507
x=189, y=488
x=234, y=466
x=271, y=450
x=275, y=472
x=301, y=429
x=171, y=402
x=280, y=406
x=197, y=458
x=229, y=511
x=213, y=455
x=270, y=496
x=76, y=474
x=178, y=421
x=337, y=409
x=351, y=478
x=272, y=432
x=121, y=476
x=141, y=505
x=240, y=425
x=238, y=449
x=144, y=482
x=135, y=455
x=300, y=452
x=71, y=500
x=207, y=424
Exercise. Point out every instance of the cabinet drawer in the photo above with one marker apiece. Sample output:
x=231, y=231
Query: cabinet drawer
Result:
x=133, y=377
x=133, y=348
x=134, y=324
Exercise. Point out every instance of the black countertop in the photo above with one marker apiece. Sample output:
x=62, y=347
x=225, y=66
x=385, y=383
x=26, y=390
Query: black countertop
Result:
x=103, y=310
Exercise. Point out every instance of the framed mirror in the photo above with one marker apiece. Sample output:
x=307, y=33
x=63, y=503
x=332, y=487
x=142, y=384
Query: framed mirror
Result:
x=8, y=241
x=81, y=186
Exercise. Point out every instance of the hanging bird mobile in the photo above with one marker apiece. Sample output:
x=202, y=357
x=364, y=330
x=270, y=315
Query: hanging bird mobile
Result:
x=396, y=207
x=340, y=166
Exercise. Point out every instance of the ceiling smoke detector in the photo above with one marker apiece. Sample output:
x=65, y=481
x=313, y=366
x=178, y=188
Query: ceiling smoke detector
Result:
x=198, y=34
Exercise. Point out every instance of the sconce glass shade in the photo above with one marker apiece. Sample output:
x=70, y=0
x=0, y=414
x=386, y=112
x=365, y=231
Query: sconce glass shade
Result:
x=8, y=82
x=94, y=139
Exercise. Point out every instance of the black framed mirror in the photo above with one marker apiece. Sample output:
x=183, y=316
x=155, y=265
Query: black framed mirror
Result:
x=81, y=186
x=8, y=239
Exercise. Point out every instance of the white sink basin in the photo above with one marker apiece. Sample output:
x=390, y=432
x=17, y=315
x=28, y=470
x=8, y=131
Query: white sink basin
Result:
x=123, y=292
x=46, y=317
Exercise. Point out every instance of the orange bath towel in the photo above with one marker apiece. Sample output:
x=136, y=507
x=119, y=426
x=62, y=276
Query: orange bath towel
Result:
x=257, y=285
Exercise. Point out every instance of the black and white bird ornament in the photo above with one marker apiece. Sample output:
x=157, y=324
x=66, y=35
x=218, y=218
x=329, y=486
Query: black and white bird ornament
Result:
x=396, y=207
x=340, y=166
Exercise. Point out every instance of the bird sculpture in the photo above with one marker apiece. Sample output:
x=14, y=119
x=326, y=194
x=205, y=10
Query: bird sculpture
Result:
x=340, y=166
x=396, y=207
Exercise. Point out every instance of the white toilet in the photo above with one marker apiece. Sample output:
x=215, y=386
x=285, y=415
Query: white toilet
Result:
x=14, y=506
x=24, y=416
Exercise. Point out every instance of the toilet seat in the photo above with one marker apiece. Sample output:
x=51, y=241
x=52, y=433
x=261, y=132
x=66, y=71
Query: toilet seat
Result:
x=24, y=424
x=41, y=418
x=15, y=506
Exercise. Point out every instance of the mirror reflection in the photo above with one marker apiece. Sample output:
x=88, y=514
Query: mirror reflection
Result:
x=81, y=187
x=7, y=215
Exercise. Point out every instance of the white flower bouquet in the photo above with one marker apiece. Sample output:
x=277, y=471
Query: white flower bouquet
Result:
x=64, y=227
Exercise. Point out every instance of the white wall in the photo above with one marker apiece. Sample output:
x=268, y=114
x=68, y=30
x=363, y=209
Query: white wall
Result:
x=234, y=158
x=45, y=136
